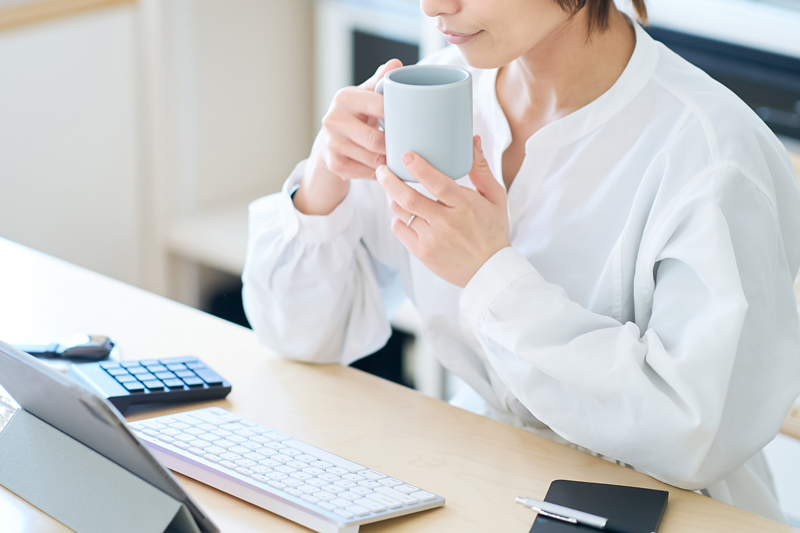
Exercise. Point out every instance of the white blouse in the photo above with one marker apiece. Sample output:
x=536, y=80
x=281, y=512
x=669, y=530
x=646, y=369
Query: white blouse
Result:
x=644, y=310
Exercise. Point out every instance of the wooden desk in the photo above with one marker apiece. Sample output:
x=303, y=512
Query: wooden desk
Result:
x=479, y=465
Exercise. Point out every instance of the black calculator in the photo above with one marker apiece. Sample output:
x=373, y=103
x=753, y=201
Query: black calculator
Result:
x=176, y=379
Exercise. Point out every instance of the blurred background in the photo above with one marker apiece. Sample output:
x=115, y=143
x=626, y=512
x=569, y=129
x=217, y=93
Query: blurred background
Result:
x=133, y=133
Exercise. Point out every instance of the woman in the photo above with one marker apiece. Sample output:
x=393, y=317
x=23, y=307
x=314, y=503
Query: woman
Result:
x=615, y=272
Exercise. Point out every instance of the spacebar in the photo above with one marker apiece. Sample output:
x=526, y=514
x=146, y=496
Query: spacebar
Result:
x=324, y=456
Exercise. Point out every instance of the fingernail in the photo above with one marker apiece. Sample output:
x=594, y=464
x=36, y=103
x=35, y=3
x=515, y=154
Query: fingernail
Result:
x=408, y=158
x=479, y=144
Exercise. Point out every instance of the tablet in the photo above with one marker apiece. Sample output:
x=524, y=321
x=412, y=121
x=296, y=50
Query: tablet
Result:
x=86, y=417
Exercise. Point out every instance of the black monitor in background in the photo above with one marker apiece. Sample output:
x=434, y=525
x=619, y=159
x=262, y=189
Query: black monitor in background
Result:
x=371, y=51
x=769, y=83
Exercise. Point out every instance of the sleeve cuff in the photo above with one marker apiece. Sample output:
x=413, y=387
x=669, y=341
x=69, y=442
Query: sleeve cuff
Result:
x=313, y=228
x=495, y=276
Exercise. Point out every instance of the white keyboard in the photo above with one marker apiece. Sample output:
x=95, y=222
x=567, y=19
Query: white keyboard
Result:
x=305, y=484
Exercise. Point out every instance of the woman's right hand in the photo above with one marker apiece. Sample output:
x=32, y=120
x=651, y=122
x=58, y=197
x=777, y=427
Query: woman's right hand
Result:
x=349, y=146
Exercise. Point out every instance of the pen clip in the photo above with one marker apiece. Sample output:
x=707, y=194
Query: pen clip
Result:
x=556, y=516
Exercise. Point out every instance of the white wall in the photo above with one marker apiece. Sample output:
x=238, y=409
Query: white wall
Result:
x=68, y=140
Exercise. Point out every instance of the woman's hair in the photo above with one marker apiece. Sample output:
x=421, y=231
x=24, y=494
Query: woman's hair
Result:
x=598, y=11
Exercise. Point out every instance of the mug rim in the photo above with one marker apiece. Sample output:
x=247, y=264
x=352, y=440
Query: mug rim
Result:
x=468, y=75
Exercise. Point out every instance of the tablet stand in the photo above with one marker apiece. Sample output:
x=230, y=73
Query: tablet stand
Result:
x=79, y=487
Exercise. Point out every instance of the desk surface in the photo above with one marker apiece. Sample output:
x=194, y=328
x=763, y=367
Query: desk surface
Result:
x=479, y=465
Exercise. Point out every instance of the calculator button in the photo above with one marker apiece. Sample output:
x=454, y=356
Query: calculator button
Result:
x=209, y=376
x=193, y=382
x=173, y=383
x=137, y=370
x=164, y=375
x=154, y=385
x=195, y=366
x=176, y=367
x=127, y=378
x=134, y=387
x=117, y=371
x=109, y=364
x=156, y=368
x=185, y=374
x=128, y=364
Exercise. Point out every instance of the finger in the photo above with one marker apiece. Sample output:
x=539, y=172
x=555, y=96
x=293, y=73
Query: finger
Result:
x=347, y=169
x=405, y=196
x=363, y=103
x=481, y=175
x=381, y=72
x=348, y=148
x=438, y=184
x=407, y=236
x=365, y=135
x=405, y=216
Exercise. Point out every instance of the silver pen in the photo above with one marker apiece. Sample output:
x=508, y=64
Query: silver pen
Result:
x=573, y=516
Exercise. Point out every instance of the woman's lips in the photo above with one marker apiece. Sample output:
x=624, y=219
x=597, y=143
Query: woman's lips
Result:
x=459, y=38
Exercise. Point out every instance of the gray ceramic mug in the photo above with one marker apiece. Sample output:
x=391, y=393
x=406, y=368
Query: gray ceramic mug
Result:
x=428, y=110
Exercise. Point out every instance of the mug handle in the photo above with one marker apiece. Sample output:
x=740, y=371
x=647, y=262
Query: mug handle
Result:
x=379, y=89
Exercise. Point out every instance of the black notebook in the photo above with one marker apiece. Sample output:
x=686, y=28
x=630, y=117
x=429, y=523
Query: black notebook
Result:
x=638, y=509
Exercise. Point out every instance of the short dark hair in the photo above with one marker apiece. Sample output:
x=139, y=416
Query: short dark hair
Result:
x=598, y=11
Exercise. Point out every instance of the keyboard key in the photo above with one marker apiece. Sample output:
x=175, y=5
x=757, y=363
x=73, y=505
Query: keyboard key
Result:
x=153, y=424
x=137, y=370
x=211, y=457
x=261, y=469
x=297, y=465
x=147, y=376
x=357, y=510
x=330, y=478
x=344, y=513
x=187, y=419
x=170, y=431
x=285, y=469
x=406, y=489
x=138, y=426
x=306, y=458
x=244, y=471
x=254, y=456
x=165, y=375
x=344, y=484
x=373, y=506
x=321, y=464
x=390, y=482
x=369, y=484
x=252, y=445
x=237, y=439
x=166, y=438
x=423, y=496
x=215, y=450
x=185, y=374
x=276, y=484
x=248, y=423
x=194, y=431
x=333, y=489
x=313, y=471
x=134, y=386
x=222, y=432
x=224, y=443
x=148, y=362
x=227, y=464
x=239, y=449
x=309, y=498
x=118, y=372
x=210, y=437
x=197, y=451
x=173, y=360
x=274, y=435
x=277, y=476
x=283, y=459
x=310, y=480
x=233, y=426
x=397, y=495
x=309, y=489
x=246, y=463
x=324, y=496
x=183, y=437
x=274, y=445
x=195, y=365
x=126, y=378
x=261, y=430
x=363, y=491
x=336, y=471
x=245, y=433
x=128, y=364
x=156, y=368
x=260, y=439
x=175, y=367
x=231, y=456
x=372, y=475
x=260, y=478
x=269, y=463
x=391, y=503
x=292, y=491
x=109, y=364
x=181, y=445
x=291, y=451
x=349, y=496
x=200, y=444
x=179, y=425
x=292, y=482
x=339, y=502
x=150, y=432
x=193, y=382
x=327, y=506
x=205, y=426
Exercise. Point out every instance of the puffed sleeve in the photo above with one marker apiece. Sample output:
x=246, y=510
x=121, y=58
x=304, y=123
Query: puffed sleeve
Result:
x=703, y=377
x=310, y=287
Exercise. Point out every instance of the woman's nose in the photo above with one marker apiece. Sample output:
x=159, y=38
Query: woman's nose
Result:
x=435, y=8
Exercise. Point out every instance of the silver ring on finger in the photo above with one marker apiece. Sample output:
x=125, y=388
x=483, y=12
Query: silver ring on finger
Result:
x=410, y=220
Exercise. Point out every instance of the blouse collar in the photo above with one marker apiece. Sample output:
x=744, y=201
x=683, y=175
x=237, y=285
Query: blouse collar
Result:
x=585, y=120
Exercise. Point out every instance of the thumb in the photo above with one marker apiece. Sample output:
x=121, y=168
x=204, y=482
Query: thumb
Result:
x=481, y=175
x=380, y=73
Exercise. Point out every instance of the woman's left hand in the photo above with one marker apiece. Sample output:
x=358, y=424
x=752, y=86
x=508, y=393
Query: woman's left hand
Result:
x=457, y=234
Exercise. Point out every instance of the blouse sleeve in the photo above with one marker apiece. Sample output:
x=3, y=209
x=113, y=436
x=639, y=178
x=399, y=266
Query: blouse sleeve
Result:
x=311, y=291
x=694, y=387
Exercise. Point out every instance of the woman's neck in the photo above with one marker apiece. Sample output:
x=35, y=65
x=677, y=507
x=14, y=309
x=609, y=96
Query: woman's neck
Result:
x=566, y=71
